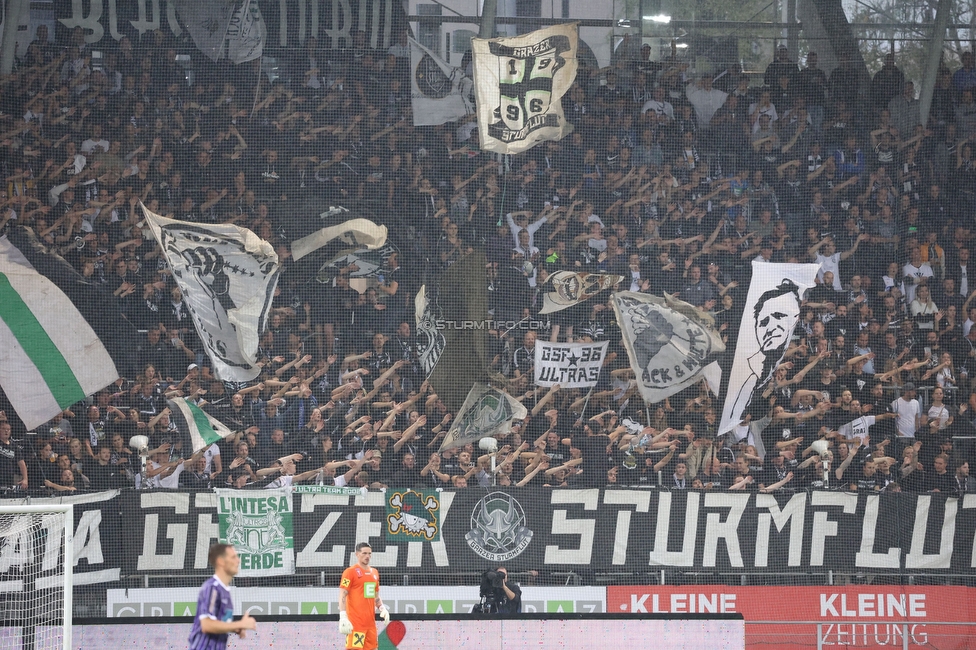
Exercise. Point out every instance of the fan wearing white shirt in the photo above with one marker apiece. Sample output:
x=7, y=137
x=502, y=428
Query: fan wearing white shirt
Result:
x=285, y=468
x=659, y=104
x=916, y=272
x=705, y=99
x=825, y=254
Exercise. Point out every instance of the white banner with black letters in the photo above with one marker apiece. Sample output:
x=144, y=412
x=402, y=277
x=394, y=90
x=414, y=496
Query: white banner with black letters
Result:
x=571, y=365
x=771, y=314
x=228, y=277
x=519, y=85
x=168, y=533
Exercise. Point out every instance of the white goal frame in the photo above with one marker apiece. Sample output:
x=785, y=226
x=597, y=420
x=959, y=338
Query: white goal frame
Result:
x=68, y=543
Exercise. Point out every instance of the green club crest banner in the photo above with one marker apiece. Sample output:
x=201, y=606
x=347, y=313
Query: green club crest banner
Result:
x=259, y=525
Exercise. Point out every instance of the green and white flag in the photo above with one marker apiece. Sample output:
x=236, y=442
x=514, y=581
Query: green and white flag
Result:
x=203, y=430
x=50, y=357
x=487, y=412
x=259, y=525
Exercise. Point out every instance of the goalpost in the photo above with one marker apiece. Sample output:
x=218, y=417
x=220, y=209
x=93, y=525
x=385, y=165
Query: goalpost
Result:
x=36, y=558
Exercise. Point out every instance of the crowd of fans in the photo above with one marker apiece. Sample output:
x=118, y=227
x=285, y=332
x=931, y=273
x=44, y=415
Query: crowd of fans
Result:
x=676, y=182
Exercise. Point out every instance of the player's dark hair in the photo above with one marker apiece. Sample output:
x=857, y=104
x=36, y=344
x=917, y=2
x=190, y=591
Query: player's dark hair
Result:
x=217, y=551
x=361, y=545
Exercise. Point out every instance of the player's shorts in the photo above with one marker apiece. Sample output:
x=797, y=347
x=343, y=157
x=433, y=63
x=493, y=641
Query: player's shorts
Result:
x=362, y=640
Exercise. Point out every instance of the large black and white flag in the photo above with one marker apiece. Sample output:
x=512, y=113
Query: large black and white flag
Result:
x=571, y=365
x=430, y=338
x=356, y=234
x=362, y=262
x=438, y=91
x=669, y=342
x=519, y=85
x=207, y=23
x=238, y=24
x=771, y=314
x=486, y=412
x=246, y=33
x=564, y=289
x=228, y=277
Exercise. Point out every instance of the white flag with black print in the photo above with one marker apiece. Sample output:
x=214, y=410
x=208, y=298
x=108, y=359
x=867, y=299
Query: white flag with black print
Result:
x=358, y=234
x=519, y=85
x=571, y=365
x=233, y=30
x=438, y=91
x=771, y=314
x=246, y=33
x=207, y=23
x=563, y=289
x=669, y=342
x=228, y=277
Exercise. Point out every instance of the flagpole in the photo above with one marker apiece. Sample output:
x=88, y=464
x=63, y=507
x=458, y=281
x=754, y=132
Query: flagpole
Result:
x=514, y=326
x=585, y=404
x=488, y=11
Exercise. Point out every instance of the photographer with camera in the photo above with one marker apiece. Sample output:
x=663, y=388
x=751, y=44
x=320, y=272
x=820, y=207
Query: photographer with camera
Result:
x=497, y=595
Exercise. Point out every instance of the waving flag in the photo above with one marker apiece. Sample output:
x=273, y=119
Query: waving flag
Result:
x=486, y=412
x=228, y=276
x=50, y=357
x=669, y=342
x=567, y=288
x=207, y=23
x=437, y=89
x=202, y=429
x=462, y=301
x=520, y=83
x=213, y=24
x=356, y=233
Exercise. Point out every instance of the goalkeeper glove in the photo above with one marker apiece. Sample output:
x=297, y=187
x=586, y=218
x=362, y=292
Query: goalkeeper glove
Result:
x=345, y=625
x=384, y=614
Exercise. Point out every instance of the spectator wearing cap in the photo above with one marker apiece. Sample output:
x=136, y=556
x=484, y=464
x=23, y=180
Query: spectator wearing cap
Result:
x=781, y=66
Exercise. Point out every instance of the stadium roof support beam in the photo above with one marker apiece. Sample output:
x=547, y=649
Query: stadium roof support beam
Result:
x=489, y=11
x=830, y=34
x=934, y=57
x=8, y=51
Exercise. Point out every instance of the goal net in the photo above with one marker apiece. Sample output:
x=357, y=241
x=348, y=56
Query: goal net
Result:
x=35, y=594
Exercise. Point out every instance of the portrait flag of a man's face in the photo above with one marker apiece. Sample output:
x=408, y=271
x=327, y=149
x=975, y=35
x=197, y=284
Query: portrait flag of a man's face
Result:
x=771, y=314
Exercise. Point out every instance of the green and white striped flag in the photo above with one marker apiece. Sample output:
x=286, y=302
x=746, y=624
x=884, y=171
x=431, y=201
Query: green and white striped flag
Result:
x=50, y=357
x=203, y=429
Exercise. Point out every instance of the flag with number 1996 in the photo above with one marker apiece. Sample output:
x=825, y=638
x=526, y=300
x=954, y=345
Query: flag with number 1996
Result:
x=519, y=84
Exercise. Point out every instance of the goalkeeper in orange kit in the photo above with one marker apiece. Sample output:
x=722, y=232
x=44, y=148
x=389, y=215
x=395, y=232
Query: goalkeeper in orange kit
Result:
x=359, y=601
